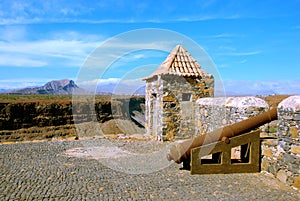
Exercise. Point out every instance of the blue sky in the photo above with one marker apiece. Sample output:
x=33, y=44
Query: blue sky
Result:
x=254, y=44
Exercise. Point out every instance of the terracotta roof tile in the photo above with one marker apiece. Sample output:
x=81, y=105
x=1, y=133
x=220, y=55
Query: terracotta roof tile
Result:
x=179, y=62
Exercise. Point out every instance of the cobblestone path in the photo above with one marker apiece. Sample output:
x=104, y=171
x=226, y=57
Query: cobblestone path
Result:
x=40, y=171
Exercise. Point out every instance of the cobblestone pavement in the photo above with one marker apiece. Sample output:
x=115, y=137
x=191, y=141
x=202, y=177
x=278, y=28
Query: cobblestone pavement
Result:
x=40, y=171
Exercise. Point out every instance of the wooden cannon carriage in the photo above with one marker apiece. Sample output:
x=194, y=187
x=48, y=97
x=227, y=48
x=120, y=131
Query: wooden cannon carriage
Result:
x=219, y=144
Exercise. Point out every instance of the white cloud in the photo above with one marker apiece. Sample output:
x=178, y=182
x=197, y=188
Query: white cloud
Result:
x=76, y=36
x=21, y=83
x=240, y=53
x=222, y=35
x=71, y=50
x=95, y=82
x=20, y=61
x=114, y=85
x=243, y=61
x=52, y=48
x=21, y=12
x=95, y=11
x=13, y=33
x=227, y=48
x=249, y=87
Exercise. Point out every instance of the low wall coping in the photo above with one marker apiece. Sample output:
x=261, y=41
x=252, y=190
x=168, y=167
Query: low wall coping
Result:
x=291, y=102
x=239, y=102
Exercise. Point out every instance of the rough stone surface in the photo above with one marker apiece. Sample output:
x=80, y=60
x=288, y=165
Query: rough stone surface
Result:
x=170, y=105
x=297, y=182
x=270, y=142
x=288, y=123
x=282, y=176
x=41, y=171
x=213, y=113
x=266, y=151
x=284, y=159
x=295, y=150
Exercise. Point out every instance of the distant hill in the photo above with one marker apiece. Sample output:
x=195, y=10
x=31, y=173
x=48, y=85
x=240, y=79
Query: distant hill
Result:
x=3, y=90
x=64, y=86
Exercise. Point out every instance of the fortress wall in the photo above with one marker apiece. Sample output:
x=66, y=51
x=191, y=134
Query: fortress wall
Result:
x=280, y=139
x=213, y=113
x=281, y=156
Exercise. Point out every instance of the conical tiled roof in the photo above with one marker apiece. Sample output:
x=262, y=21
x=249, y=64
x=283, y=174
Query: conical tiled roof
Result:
x=181, y=63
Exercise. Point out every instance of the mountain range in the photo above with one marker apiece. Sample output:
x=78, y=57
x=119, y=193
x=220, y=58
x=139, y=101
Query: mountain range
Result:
x=64, y=86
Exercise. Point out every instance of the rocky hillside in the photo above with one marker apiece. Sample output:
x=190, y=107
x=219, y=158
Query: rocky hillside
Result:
x=54, y=87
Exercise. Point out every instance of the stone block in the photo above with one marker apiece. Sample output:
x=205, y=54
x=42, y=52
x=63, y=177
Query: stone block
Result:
x=201, y=84
x=280, y=156
x=265, y=164
x=170, y=125
x=294, y=168
x=297, y=117
x=294, y=132
x=284, y=145
x=287, y=117
x=166, y=119
x=273, y=168
x=199, y=123
x=267, y=152
x=295, y=149
x=296, y=182
x=224, y=121
x=270, y=142
x=282, y=176
x=288, y=158
x=168, y=99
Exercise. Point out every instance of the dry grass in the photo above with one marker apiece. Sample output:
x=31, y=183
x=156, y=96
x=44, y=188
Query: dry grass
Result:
x=38, y=133
x=274, y=100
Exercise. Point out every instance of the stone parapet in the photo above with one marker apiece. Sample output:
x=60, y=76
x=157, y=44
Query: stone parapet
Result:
x=213, y=113
x=281, y=156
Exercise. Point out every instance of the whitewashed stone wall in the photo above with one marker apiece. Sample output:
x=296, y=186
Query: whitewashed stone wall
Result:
x=213, y=113
x=281, y=156
x=154, y=107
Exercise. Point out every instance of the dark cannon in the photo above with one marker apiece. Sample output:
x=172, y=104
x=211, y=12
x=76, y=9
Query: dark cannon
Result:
x=181, y=152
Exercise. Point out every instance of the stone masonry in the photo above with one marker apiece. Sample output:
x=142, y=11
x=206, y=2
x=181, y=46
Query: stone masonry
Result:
x=213, y=113
x=280, y=151
x=171, y=93
x=281, y=155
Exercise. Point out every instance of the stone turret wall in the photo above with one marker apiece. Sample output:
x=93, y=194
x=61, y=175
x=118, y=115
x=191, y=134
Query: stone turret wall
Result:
x=154, y=107
x=170, y=105
x=179, y=97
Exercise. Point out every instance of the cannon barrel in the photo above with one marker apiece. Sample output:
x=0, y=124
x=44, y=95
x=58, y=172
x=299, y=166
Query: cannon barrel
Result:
x=181, y=152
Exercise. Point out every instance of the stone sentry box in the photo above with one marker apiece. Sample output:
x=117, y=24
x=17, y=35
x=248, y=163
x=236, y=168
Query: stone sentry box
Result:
x=171, y=93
